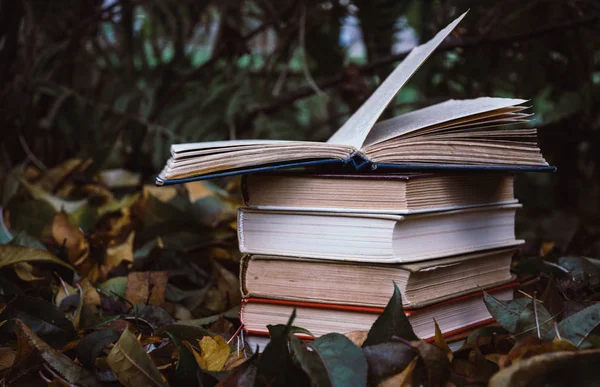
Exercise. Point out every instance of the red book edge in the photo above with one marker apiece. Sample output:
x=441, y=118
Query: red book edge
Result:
x=374, y=310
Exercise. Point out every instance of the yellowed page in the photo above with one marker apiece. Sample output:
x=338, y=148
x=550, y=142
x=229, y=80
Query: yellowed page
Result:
x=355, y=130
x=434, y=115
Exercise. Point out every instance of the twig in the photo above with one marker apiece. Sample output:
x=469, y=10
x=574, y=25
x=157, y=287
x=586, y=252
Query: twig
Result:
x=30, y=154
x=464, y=43
x=305, y=70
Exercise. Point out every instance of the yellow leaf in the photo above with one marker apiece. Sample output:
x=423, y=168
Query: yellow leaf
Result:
x=440, y=342
x=215, y=352
x=403, y=379
x=199, y=359
x=164, y=194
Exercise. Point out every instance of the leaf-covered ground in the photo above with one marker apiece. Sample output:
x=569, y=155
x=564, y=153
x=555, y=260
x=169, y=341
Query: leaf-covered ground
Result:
x=105, y=280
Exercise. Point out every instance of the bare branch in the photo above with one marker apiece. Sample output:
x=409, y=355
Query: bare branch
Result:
x=463, y=43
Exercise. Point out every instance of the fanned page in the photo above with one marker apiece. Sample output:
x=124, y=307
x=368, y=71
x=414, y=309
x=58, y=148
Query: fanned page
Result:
x=355, y=130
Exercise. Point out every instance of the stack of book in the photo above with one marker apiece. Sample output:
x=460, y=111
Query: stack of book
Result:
x=331, y=247
x=424, y=199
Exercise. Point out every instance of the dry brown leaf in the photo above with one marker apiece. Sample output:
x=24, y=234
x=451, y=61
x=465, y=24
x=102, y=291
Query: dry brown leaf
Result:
x=357, y=337
x=228, y=284
x=164, y=194
x=76, y=244
x=25, y=271
x=123, y=252
x=7, y=357
x=403, y=379
x=197, y=190
x=146, y=287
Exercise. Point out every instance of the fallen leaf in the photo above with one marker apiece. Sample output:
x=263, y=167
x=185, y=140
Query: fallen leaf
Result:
x=146, y=287
x=392, y=322
x=25, y=272
x=578, y=326
x=440, y=341
x=115, y=285
x=131, y=363
x=564, y=368
x=12, y=255
x=60, y=363
x=387, y=359
x=508, y=313
x=119, y=178
x=357, y=337
x=41, y=317
x=436, y=361
x=215, y=352
x=57, y=203
x=7, y=357
x=121, y=252
x=33, y=216
x=403, y=379
x=75, y=242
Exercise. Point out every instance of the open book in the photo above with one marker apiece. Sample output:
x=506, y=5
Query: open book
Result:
x=482, y=133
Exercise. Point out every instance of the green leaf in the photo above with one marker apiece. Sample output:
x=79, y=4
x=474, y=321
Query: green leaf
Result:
x=131, y=363
x=11, y=255
x=345, y=363
x=387, y=359
x=563, y=368
x=506, y=313
x=43, y=318
x=60, y=363
x=578, y=326
x=115, y=285
x=532, y=319
x=392, y=322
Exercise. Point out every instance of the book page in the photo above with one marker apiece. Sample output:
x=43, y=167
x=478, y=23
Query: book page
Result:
x=355, y=130
x=436, y=114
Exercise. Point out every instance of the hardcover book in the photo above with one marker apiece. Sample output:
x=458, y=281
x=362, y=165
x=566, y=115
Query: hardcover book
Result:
x=478, y=134
x=381, y=238
x=331, y=282
x=376, y=193
x=453, y=316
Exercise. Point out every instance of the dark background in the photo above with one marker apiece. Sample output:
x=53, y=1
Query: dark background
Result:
x=118, y=81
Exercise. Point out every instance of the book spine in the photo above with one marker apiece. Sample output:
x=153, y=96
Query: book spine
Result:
x=240, y=221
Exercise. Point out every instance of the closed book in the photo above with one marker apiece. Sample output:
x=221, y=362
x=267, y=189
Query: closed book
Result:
x=452, y=316
x=359, y=237
x=334, y=282
x=391, y=193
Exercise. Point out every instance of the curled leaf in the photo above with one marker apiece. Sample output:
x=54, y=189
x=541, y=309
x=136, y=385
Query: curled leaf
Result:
x=12, y=255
